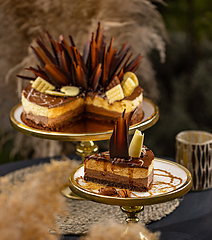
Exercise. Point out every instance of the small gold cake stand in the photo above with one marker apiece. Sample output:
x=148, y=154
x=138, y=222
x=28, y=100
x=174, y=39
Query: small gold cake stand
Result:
x=171, y=180
x=85, y=132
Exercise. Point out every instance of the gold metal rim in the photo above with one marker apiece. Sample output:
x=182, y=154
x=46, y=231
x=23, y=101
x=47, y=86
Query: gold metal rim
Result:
x=150, y=121
x=163, y=197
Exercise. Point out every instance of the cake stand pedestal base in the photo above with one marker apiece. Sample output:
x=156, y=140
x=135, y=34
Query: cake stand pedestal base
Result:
x=132, y=213
x=86, y=148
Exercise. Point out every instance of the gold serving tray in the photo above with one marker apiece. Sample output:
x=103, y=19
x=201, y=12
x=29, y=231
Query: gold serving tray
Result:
x=82, y=131
x=159, y=193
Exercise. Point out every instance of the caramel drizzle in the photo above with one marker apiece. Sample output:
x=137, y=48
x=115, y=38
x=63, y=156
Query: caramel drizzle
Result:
x=156, y=187
x=64, y=65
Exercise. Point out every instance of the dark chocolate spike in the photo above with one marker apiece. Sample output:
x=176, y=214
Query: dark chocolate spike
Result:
x=72, y=41
x=133, y=65
x=112, y=143
x=122, y=139
x=98, y=32
x=105, y=68
x=65, y=66
x=128, y=119
x=66, y=46
x=127, y=60
x=123, y=113
x=96, y=77
x=77, y=57
x=99, y=38
x=69, y=65
x=44, y=47
x=93, y=54
x=54, y=46
x=56, y=75
x=38, y=56
x=118, y=59
x=118, y=145
x=121, y=74
x=39, y=73
x=113, y=83
x=81, y=80
x=25, y=77
x=111, y=53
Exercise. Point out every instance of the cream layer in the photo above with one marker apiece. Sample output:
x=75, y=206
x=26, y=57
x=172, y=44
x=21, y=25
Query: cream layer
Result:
x=35, y=109
x=118, y=106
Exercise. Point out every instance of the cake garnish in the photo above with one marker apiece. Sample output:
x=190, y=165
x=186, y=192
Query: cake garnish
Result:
x=42, y=85
x=107, y=191
x=71, y=91
x=124, y=193
x=113, y=83
x=136, y=144
x=111, y=191
x=63, y=65
x=55, y=93
x=115, y=93
x=118, y=144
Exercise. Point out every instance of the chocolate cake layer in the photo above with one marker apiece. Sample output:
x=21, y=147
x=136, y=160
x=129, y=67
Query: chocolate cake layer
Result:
x=114, y=180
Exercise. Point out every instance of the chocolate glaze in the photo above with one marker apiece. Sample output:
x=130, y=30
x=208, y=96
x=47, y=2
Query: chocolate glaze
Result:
x=142, y=162
x=137, y=91
x=46, y=100
x=50, y=101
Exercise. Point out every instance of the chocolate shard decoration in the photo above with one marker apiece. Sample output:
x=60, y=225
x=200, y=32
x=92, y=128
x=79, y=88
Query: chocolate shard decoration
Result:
x=62, y=64
x=118, y=144
x=96, y=77
x=134, y=64
x=113, y=83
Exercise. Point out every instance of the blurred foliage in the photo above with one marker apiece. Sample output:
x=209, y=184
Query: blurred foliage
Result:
x=184, y=80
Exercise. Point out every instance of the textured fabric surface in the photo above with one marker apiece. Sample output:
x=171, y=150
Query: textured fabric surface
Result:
x=81, y=214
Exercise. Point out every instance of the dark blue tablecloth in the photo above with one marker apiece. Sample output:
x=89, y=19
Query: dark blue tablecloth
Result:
x=191, y=220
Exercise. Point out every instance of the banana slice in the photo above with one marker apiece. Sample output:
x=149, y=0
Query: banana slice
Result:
x=132, y=76
x=71, y=91
x=55, y=93
x=42, y=85
x=136, y=144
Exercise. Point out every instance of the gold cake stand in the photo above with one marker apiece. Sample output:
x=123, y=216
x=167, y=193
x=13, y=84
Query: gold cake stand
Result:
x=85, y=132
x=171, y=180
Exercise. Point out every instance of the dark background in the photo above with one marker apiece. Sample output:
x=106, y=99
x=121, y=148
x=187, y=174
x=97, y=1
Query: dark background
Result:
x=185, y=79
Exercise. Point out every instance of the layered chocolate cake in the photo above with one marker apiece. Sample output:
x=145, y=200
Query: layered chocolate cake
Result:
x=99, y=84
x=116, y=168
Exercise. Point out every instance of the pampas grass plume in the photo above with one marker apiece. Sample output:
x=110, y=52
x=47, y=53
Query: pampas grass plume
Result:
x=115, y=231
x=30, y=209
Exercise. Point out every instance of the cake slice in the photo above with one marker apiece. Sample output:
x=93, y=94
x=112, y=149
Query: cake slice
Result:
x=48, y=112
x=134, y=174
x=115, y=168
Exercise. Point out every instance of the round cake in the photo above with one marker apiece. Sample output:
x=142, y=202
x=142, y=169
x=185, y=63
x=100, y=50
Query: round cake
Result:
x=99, y=84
